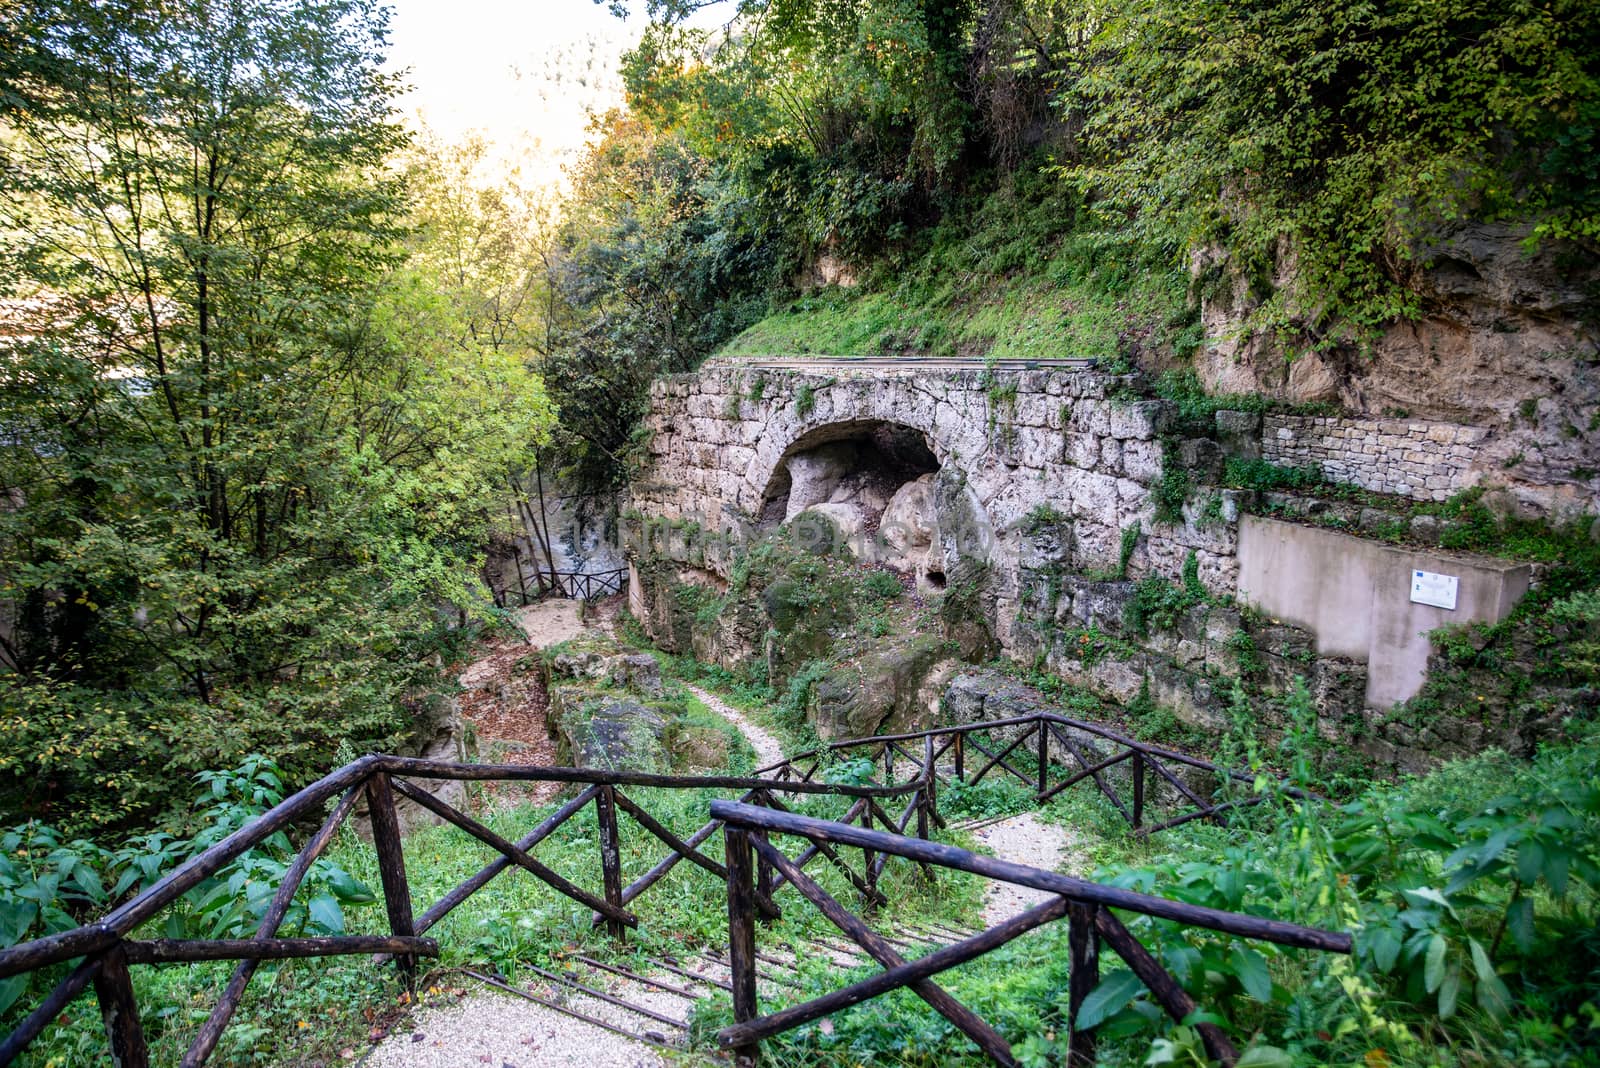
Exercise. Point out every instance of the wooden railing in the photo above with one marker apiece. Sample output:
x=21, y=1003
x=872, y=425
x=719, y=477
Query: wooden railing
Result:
x=108, y=946
x=1063, y=752
x=1086, y=906
x=581, y=585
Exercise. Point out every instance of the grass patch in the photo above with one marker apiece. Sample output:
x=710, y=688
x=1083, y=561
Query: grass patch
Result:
x=1010, y=276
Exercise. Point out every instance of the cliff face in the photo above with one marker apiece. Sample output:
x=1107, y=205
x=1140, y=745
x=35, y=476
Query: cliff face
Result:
x=1508, y=341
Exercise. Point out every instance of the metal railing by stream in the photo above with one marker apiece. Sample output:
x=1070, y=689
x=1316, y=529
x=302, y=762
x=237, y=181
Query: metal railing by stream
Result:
x=101, y=953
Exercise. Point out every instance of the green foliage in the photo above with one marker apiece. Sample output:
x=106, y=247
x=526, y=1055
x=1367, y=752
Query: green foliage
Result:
x=805, y=400
x=1157, y=604
x=1037, y=281
x=790, y=712
x=249, y=455
x=882, y=585
x=658, y=259
x=1170, y=493
x=1125, y=550
x=1473, y=924
x=1361, y=178
x=1042, y=517
x=996, y=796
x=1265, y=475
x=50, y=884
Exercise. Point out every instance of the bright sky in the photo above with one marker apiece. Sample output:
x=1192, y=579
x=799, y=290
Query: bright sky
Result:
x=524, y=72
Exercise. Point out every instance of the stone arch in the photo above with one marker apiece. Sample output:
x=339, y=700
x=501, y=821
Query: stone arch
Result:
x=890, y=488
x=842, y=410
x=872, y=446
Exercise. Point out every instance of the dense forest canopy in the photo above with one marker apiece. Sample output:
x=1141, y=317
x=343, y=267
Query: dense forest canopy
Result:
x=256, y=418
x=272, y=364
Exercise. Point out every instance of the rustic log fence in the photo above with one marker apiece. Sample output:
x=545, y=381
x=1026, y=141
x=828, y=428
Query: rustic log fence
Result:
x=1064, y=752
x=1087, y=906
x=108, y=946
x=581, y=585
x=880, y=820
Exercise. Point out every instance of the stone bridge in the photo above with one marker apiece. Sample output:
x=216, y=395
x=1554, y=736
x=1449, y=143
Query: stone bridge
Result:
x=1018, y=459
x=1042, y=479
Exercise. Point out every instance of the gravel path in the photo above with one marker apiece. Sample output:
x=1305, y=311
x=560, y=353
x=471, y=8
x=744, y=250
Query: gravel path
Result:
x=768, y=750
x=1023, y=839
x=506, y=1032
x=550, y=621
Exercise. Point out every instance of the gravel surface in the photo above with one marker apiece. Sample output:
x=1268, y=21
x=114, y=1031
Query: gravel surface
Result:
x=1023, y=839
x=506, y=1032
x=550, y=621
x=768, y=750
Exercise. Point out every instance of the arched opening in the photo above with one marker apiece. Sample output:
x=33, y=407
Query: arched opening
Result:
x=874, y=481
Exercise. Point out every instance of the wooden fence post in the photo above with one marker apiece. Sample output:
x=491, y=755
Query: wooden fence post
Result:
x=392, y=869
x=869, y=868
x=1044, y=758
x=741, y=934
x=961, y=756
x=125, y=1034
x=605, y=810
x=1083, y=942
x=765, y=880
x=1138, y=789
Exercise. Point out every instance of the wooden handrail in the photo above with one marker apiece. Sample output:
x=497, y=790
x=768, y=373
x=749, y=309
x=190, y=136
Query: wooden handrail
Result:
x=1148, y=748
x=1088, y=906
x=754, y=818
x=581, y=585
x=107, y=950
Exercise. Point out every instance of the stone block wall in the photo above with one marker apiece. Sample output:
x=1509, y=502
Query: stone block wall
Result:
x=1050, y=467
x=1066, y=439
x=1423, y=461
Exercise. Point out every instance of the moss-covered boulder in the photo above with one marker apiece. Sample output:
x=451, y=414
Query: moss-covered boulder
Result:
x=611, y=707
x=615, y=733
x=877, y=691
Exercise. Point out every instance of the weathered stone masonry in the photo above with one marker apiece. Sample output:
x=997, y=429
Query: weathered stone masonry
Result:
x=1021, y=441
x=1423, y=461
x=1041, y=473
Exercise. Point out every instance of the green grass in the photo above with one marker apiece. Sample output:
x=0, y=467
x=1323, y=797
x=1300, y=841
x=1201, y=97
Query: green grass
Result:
x=1011, y=277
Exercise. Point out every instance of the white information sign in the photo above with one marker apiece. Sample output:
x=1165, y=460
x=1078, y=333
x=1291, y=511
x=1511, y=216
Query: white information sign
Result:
x=1436, y=590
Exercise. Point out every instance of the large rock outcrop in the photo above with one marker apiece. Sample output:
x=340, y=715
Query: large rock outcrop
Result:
x=1506, y=342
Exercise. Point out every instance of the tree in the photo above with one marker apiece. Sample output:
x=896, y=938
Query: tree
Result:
x=1346, y=140
x=237, y=501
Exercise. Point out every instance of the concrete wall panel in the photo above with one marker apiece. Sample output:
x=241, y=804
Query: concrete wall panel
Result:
x=1355, y=595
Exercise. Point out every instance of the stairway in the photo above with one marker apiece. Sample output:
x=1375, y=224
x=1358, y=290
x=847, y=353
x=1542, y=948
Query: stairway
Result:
x=602, y=1014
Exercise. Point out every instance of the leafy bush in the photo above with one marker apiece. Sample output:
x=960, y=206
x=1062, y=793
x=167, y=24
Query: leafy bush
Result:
x=49, y=884
x=996, y=796
x=883, y=585
x=1157, y=604
x=1476, y=887
x=1265, y=475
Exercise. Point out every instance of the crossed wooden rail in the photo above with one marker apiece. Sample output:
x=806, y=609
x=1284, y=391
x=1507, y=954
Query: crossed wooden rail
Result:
x=1087, y=907
x=582, y=585
x=1060, y=759
x=108, y=946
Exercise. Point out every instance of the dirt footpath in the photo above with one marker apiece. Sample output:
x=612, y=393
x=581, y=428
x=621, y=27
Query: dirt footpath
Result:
x=503, y=696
